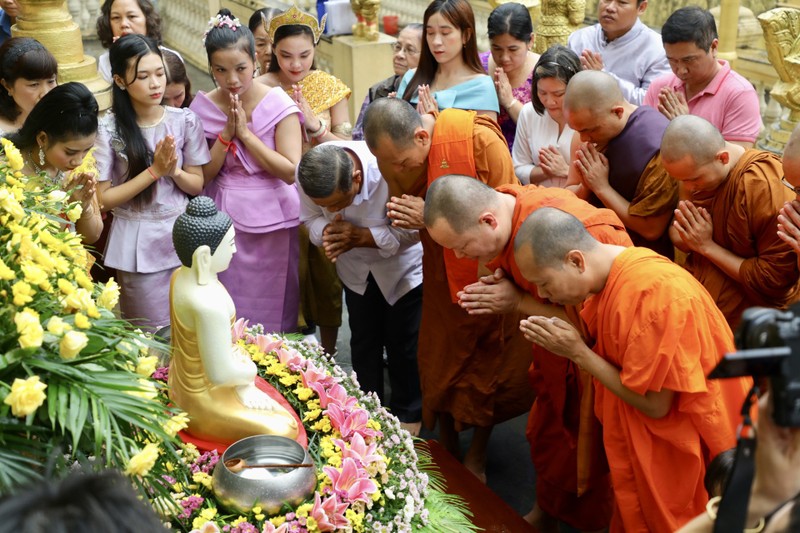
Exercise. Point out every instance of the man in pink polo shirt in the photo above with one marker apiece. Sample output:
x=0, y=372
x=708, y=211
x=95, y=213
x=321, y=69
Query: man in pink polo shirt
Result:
x=700, y=84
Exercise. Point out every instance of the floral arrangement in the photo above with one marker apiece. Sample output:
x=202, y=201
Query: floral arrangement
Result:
x=370, y=475
x=74, y=383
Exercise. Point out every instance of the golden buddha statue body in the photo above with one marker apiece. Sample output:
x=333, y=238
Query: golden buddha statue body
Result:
x=211, y=378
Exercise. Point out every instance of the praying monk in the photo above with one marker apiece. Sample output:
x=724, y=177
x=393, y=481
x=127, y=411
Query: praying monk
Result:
x=726, y=218
x=478, y=222
x=789, y=218
x=658, y=334
x=617, y=162
x=472, y=368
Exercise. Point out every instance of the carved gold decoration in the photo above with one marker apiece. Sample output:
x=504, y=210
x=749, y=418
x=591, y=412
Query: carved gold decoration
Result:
x=782, y=37
x=294, y=16
x=366, y=12
x=559, y=18
x=49, y=22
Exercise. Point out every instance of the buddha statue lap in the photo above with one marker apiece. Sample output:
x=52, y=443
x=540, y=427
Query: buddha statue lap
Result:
x=211, y=378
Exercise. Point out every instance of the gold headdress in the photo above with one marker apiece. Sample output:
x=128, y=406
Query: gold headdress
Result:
x=294, y=16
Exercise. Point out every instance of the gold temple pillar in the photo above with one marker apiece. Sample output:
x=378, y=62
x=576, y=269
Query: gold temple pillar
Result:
x=728, y=29
x=49, y=22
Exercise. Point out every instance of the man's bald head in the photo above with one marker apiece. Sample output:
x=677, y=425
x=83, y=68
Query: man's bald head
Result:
x=791, y=158
x=593, y=90
x=393, y=117
x=459, y=200
x=551, y=234
x=693, y=136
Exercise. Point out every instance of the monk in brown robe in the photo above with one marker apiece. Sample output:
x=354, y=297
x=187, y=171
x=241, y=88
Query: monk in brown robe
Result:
x=472, y=369
x=789, y=218
x=726, y=219
x=475, y=221
x=658, y=334
x=616, y=162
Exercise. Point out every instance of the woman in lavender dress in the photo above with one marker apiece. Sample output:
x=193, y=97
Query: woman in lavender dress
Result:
x=255, y=139
x=148, y=161
x=510, y=62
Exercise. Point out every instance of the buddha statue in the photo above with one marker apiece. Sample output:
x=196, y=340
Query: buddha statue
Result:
x=211, y=378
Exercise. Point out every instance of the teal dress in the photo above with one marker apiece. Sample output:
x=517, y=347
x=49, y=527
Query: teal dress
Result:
x=477, y=94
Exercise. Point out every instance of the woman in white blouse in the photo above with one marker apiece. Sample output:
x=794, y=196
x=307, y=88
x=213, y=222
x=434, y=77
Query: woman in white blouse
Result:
x=541, y=148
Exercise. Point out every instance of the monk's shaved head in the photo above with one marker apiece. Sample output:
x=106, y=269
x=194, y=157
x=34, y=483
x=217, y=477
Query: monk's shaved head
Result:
x=551, y=234
x=459, y=200
x=593, y=90
x=692, y=136
x=393, y=117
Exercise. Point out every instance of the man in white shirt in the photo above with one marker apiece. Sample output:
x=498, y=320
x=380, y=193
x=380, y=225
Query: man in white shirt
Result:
x=343, y=204
x=621, y=45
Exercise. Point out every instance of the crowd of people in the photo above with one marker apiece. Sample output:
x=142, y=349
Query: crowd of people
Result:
x=573, y=235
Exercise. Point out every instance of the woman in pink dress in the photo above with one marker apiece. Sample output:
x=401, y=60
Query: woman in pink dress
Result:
x=254, y=135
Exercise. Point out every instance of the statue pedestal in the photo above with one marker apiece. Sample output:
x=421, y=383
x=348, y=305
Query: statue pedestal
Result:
x=358, y=63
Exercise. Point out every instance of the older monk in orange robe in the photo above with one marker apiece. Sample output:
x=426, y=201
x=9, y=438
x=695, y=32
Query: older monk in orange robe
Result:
x=658, y=334
x=727, y=216
x=472, y=369
x=789, y=218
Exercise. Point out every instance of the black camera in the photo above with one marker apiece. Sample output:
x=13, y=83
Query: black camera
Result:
x=768, y=344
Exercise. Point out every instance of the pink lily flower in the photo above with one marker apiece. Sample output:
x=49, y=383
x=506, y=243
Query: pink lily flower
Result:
x=335, y=394
x=351, y=483
x=330, y=513
x=315, y=374
x=358, y=450
x=237, y=329
x=266, y=343
x=290, y=357
x=269, y=528
x=350, y=423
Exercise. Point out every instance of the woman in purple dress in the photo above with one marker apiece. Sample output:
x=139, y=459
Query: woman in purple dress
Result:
x=510, y=62
x=254, y=135
x=149, y=159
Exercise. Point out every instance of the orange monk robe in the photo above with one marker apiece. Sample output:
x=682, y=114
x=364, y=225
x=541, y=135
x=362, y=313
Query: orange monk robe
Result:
x=662, y=330
x=744, y=211
x=556, y=417
x=471, y=367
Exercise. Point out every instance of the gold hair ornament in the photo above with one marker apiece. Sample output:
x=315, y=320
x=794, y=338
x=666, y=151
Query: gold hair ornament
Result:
x=294, y=16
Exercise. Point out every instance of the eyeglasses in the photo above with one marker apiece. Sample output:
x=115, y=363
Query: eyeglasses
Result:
x=788, y=185
x=409, y=50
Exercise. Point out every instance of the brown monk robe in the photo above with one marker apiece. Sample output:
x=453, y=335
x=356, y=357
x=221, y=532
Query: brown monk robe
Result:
x=475, y=221
x=727, y=218
x=472, y=369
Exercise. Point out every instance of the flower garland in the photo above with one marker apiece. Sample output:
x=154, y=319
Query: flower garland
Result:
x=368, y=470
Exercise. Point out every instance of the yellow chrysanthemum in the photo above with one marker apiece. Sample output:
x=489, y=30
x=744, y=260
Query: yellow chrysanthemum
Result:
x=23, y=293
x=66, y=287
x=74, y=214
x=145, y=366
x=57, y=326
x=26, y=396
x=147, y=390
x=81, y=321
x=177, y=423
x=303, y=393
x=278, y=521
x=29, y=328
x=13, y=156
x=82, y=279
x=110, y=295
x=202, y=478
x=72, y=343
x=35, y=275
x=5, y=272
x=141, y=463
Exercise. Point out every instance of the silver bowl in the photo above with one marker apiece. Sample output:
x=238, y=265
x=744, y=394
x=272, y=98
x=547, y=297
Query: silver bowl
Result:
x=268, y=488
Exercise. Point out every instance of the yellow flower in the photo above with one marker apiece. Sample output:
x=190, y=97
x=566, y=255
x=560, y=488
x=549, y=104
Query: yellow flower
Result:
x=57, y=326
x=72, y=343
x=176, y=423
x=5, y=272
x=82, y=279
x=278, y=521
x=12, y=154
x=206, y=515
x=311, y=524
x=110, y=295
x=312, y=415
x=89, y=164
x=356, y=519
x=81, y=321
x=10, y=205
x=23, y=293
x=141, y=463
x=80, y=300
x=57, y=195
x=146, y=390
x=29, y=328
x=66, y=287
x=75, y=213
x=35, y=275
x=289, y=380
x=323, y=425
x=26, y=396
x=304, y=509
x=239, y=520
x=147, y=365
x=202, y=478
x=303, y=393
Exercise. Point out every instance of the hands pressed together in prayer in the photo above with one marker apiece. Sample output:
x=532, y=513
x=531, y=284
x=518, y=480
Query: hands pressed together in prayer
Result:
x=406, y=212
x=341, y=236
x=491, y=294
x=552, y=163
x=672, y=103
x=426, y=103
x=504, y=93
x=553, y=334
x=165, y=157
x=789, y=224
x=694, y=226
x=591, y=60
x=311, y=123
x=82, y=187
x=592, y=167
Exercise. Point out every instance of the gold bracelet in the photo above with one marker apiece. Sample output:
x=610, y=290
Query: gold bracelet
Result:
x=711, y=510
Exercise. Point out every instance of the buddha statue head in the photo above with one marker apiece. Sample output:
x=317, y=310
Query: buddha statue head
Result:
x=203, y=238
